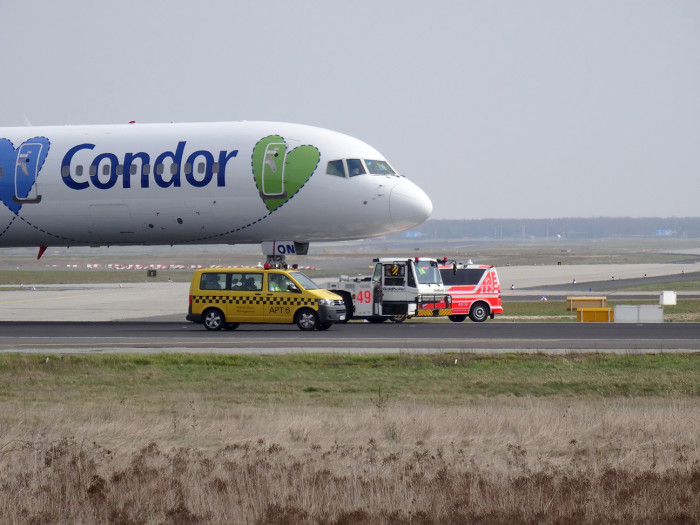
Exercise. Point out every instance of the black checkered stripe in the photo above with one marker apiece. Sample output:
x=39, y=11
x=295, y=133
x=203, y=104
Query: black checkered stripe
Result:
x=253, y=299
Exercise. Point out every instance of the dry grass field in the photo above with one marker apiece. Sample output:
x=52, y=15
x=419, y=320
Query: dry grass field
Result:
x=498, y=460
x=134, y=440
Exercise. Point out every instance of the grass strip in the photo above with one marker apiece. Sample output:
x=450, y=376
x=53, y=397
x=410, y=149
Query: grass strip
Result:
x=343, y=380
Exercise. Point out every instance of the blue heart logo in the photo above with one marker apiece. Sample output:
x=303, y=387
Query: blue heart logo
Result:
x=19, y=169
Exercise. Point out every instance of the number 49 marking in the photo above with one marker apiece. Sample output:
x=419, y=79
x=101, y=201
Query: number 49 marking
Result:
x=364, y=297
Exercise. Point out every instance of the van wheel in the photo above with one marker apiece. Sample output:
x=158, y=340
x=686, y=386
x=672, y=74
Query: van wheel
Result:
x=231, y=326
x=457, y=318
x=213, y=319
x=324, y=326
x=479, y=312
x=306, y=319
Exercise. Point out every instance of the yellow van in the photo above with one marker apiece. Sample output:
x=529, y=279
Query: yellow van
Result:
x=224, y=298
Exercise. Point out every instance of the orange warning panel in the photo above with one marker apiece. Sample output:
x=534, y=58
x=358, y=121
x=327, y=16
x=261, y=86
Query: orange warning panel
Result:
x=594, y=315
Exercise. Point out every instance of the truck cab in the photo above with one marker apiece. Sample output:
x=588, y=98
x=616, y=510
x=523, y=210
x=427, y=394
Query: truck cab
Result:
x=399, y=288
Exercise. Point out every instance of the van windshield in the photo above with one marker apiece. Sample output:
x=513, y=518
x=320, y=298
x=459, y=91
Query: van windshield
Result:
x=304, y=281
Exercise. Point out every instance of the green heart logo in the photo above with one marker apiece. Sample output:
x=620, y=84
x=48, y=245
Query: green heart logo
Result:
x=280, y=173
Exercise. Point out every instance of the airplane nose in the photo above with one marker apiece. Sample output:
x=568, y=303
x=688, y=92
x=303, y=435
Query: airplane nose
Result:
x=409, y=206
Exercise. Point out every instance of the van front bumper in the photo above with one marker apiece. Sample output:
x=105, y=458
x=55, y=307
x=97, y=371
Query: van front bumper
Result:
x=331, y=313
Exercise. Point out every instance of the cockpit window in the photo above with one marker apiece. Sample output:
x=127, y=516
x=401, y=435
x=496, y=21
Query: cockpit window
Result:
x=358, y=167
x=379, y=167
x=335, y=167
x=355, y=167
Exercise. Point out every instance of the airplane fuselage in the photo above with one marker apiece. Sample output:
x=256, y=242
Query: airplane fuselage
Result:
x=237, y=182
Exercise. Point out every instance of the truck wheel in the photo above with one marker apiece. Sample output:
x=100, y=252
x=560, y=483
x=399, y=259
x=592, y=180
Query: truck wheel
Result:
x=457, y=318
x=306, y=319
x=213, y=319
x=324, y=326
x=398, y=319
x=479, y=312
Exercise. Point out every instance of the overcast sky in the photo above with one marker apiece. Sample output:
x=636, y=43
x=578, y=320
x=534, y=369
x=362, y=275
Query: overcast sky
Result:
x=496, y=109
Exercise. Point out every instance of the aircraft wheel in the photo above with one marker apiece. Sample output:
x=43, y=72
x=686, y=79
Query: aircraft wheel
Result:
x=213, y=319
x=479, y=312
x=457, y=318
x=306, y=319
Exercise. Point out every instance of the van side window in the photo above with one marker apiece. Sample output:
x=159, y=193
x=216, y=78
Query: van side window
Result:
x=246, y=282
x=463, y=276
x=213, y=281
x=276, y=282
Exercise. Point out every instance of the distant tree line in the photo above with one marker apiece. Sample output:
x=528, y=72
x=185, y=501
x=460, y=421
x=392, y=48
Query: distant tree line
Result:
x=569, y=228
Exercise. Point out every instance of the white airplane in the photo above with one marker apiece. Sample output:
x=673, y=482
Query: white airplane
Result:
x=235, y=182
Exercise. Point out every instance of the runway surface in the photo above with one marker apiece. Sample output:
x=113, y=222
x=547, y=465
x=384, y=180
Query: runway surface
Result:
x=150, y=317
x=356, y=337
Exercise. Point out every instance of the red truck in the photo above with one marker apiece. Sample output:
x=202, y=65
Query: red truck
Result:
x=475, y=290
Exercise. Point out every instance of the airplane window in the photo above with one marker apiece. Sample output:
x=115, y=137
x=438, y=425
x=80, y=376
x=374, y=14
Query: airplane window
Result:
x=93, y=170
x=78, y=170
x=146, y=169
x=159, y=169
x=1, y=172
x=215, y=167
x=188, y=168
x=355, y=167
x=120, y=169
x=379, y=167
x=132, y=169
x=335, y=167
x=173, y=168
x=105, y=169
x=200, y=167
